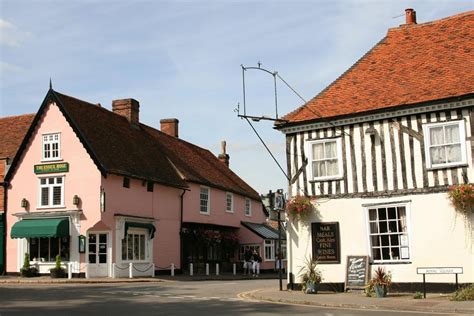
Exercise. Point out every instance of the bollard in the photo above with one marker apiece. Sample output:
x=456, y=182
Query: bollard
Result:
x=153, y=271
x=207, y=268
x=234, y=269
x=191, y=269
x=113, y=270
x=130, y=270
x=69, y=270
x=87, y=271
x=172, y=269
x=217, y=269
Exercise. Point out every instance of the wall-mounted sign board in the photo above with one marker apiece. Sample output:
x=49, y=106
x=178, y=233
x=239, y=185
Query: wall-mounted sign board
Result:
x=325, y=241
x=52, y=168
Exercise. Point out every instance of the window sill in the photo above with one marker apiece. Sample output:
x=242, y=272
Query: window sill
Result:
x=458, y=165
x=50, y=207
x=230, y=212
x=52, y=160
x=202, y=213
x=391, y=262
x=248, y=215
x=338, y=178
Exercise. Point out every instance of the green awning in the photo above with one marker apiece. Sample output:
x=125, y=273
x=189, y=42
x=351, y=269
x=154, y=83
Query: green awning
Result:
x=48, y=227
x=151, y=228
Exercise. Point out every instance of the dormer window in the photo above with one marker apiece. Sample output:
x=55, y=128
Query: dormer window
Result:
x=51, y=147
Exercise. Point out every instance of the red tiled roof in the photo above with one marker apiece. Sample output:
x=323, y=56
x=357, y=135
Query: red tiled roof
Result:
x=144, y=152
x=412, y=64
x=13, y=129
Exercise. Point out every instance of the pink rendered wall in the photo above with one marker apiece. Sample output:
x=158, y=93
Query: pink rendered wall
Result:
x=83, y=178
x=162, y=204
x=246, y=236
x=218, y=214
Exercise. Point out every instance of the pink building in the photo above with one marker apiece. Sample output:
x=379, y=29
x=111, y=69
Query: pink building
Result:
x=103, y=191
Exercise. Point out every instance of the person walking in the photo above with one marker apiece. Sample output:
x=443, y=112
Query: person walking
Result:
x=247, y=260
x=256, y=259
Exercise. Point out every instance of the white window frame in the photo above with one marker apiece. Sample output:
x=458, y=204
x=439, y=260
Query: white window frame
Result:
x=45, y=141
x=208, y=206
x=231, y=196
x=409, y=234
x=269, y=244
x=462, y=141
x=50, y=192
x=133, y=232
x=309, y=149
x=248, y=207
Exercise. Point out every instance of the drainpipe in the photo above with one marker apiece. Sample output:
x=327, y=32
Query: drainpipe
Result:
x=4, y=250
x=181, y=249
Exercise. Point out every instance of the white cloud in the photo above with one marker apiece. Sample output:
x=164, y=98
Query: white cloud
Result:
x=11, y=35
x=6, y=68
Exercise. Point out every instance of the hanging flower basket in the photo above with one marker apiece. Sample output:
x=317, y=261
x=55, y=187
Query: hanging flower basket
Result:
x=299, y=208
x=462, y=198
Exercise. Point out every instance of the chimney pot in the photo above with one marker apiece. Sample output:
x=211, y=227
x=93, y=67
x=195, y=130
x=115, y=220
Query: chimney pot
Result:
x=223, y=156
x=128, y=108
x=169, y=126
x=410, y=16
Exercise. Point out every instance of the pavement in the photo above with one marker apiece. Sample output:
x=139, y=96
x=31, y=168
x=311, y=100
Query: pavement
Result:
x=434, y=303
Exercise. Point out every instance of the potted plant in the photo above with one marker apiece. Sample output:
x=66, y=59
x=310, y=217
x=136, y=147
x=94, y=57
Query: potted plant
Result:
x=299, y=208
x=27, y=270
x=379, y=284
x=311, y=276
x=58, y=271
x=462, y=198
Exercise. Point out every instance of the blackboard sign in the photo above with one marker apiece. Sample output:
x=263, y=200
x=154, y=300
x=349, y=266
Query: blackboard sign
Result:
x=325, y=240
x=357, y=272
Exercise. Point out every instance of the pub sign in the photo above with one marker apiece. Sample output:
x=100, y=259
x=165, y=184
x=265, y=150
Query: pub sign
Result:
x=326, y=242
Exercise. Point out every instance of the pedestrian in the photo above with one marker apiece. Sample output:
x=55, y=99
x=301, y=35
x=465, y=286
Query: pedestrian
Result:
x=247, y=260
x=256, y=259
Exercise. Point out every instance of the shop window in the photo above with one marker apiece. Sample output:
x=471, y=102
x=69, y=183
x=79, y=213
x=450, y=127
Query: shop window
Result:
x=204, y=200
x=51, y=192
x=126, y=182
x=388, y=233
x=46, y=249
x=149, y=186
x=51, y=147
x=252, y=248
x=445, y=144
x=134, y=247
x=269, y=250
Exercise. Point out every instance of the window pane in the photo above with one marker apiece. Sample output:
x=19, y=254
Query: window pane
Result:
x=452, y=133
x=375, y=241
x=54, y=248
x=392, y=226
x=394, y=240
x=392, y=213
x=92, y=258
x=319, y=169
x=395, y=253
x=136, y=247
x=103, y=238
x=103, y=258
x=385, y=240
x=44, y=196
x=331, y=150
x=124, y=249
x=436, y=135
x=438, y=155
x=372, y=214
x=374, y=228
x=43, y=181
x=130, y=247
x=59, y=180
x=318, y=151
x=332, y=168
x=386, y=253
x=376, y=253
x=34, y=244
x=44, y=248
x=142, y=247
x=50, y=180
x=453, y=153
x=382, y=214
x=64, y=248
x=57, y=196
x=383, y=227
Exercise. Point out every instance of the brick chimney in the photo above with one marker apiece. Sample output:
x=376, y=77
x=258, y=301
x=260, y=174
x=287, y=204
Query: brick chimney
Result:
x=410, y=16
x=169, y=126
x=223, y=156
x=128, y=108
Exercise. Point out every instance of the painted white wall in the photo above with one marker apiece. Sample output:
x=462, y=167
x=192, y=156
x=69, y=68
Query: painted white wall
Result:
x=439, y=237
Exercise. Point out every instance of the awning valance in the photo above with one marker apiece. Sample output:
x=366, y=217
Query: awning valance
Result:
x=47, y=227
x=151, y=228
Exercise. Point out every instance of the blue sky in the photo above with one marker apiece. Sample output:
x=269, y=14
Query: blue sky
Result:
x=181, y=59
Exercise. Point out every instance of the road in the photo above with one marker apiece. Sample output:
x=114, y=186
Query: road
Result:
x=164, y=298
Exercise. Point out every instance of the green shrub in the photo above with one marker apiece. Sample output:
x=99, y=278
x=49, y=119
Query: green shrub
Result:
x=465, y=293
x=418, y=295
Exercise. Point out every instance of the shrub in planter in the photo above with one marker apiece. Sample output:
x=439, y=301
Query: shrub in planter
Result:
x=58, y=271
x=311, y=276
x=27, y=270
x=379, y=284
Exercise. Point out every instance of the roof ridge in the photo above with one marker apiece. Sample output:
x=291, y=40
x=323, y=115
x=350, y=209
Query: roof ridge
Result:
x=80, y=100
x=417, y=25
